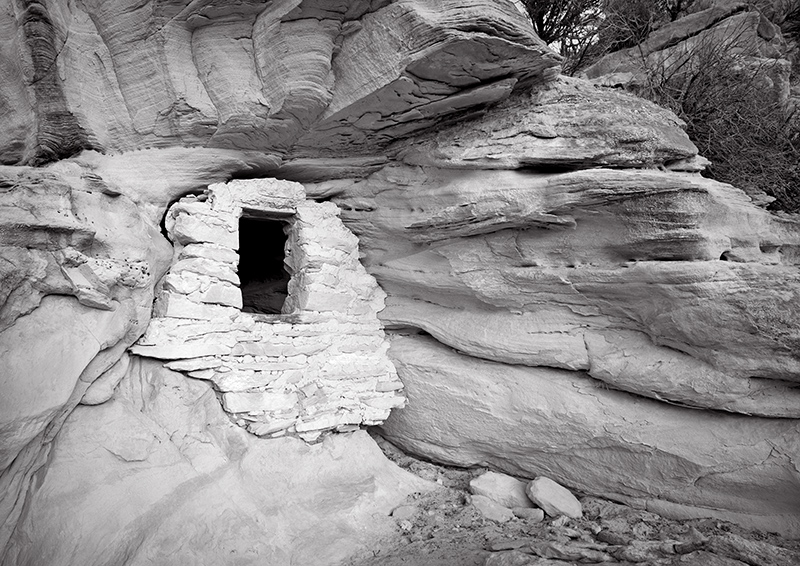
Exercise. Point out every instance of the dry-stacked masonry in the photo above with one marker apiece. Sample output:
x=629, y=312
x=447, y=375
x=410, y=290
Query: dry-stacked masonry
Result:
x=321, y=364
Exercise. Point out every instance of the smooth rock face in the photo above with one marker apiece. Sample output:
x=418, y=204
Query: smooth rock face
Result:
x=553, y=498
x=502, y=489
x=567, y=426
x=166, y=478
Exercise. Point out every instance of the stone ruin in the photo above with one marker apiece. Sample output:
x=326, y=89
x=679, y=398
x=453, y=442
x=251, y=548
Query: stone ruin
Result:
x=314, y=364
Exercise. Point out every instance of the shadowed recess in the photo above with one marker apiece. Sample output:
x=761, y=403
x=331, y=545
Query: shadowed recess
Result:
x=263, y=275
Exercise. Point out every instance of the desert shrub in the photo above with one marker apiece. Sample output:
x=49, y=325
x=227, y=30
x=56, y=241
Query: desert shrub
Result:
x=585, y=30
x=733, y=114
x=569, y=26
x=627, y=23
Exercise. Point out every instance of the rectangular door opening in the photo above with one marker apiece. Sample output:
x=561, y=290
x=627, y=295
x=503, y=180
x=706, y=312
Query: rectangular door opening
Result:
x=262, y=270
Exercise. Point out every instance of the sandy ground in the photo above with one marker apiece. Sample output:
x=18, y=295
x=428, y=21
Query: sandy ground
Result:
x=441, y=528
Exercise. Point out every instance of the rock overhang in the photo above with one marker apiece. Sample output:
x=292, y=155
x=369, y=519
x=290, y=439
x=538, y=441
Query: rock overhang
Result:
x=319, y=366
x=312, y=80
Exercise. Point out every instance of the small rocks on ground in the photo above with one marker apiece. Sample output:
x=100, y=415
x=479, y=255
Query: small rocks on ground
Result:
x=529, y=514
x=503, y=489
x=553, y=498
x=404, y=512
x=491, y=510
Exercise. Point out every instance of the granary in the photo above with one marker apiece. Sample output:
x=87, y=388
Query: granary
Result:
x=266, y=298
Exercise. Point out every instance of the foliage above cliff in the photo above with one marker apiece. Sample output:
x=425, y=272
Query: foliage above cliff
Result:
x=724, y=68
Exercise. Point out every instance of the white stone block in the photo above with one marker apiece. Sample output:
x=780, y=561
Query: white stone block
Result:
x=259, y=194
x=258, y=401
x=322, y=422
x=385, y=402
x=554, y=498
x=219, y=293
x=180, y=351
x=209, y=267
x=504, y=490
x=183, y=282
x=190, y=229
x=173, y=305
x=237, y=380
x=270, y=427
x=261, y=348
x=491, y=510
x=194, y=364
x=210, y=251
x=385, y=386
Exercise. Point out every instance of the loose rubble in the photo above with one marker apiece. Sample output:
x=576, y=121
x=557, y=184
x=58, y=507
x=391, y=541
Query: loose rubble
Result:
x=502, y=489
x=554, y=499
x=448, y=528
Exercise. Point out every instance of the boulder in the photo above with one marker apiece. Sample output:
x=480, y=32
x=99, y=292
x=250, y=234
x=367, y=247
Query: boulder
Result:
x=554, y=499
x=565, y=124
x=683, y=46
x=502, y=489
x=491, y=510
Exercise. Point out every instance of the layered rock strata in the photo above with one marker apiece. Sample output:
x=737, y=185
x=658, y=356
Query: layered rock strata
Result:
x=79, y=264
x=597, y=312
x=652, y=282
x=312, y=77
x=322, y=364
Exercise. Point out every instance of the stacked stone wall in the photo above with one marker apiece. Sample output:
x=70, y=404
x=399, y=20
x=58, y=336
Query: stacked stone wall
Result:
x=319, y=366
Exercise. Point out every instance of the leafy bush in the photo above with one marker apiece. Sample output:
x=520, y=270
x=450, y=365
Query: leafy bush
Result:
x=723, y=91
x=734, y=115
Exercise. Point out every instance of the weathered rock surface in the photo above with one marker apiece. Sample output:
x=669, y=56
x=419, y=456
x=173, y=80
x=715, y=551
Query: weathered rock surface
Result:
x=501, y=488
x=553, y=498
x=577, y=270
x=567, y=124
x=311, y=77
x=79, y=265
x=599, y=313
x=735, y=28
x=539, y=421
x=159, y=474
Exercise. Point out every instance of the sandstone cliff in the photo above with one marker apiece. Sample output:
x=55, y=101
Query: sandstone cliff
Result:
x=566, y=294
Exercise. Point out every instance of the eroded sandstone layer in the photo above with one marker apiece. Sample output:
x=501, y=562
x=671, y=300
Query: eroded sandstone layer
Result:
x=567, y=295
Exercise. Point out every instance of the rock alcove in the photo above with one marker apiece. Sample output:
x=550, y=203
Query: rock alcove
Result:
x=300, y=355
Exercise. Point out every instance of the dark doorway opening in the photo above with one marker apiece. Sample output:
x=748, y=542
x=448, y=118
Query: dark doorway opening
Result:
x=262, y=272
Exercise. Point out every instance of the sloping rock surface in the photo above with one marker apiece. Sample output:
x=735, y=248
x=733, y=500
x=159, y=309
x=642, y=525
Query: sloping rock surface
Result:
x=160, y=475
